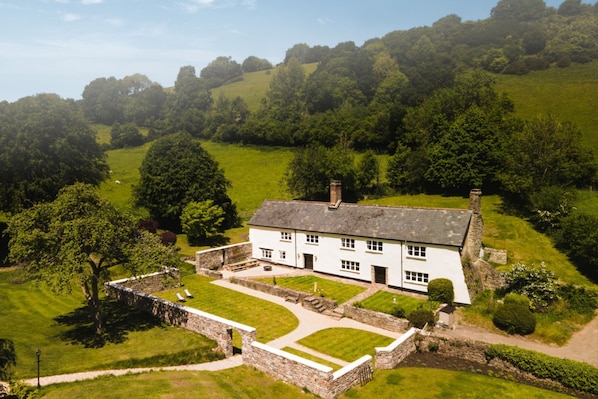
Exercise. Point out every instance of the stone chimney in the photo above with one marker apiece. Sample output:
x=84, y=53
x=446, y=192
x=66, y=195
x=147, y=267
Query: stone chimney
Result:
x=473, y=244
x=336, y=193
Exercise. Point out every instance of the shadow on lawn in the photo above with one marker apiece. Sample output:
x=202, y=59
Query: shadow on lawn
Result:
x=119, y=320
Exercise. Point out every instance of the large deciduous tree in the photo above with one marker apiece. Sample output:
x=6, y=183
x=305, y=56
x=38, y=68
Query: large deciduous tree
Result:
x=76, y=239
x=176, y=171
x=45, y=144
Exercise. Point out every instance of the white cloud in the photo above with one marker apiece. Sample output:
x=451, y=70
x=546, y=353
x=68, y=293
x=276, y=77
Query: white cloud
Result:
x=87, y=2
x=68, y=17
x=324, y=21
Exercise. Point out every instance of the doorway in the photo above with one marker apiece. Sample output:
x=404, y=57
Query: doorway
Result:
x=380, y=274
x=308, y=261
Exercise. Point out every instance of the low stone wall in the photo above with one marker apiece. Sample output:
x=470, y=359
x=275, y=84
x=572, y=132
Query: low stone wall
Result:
x=209, y=273
x=318, y=379
x=390, y=356
x=211, y=326
x=498, y=256
x=154, y=282
x=376, y=319
x=216, y=258
x=282, y=292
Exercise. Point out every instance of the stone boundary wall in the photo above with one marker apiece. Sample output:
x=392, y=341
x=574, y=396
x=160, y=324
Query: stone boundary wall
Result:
x=282, y=292
x=209, y=273
x=376, y=319
x=211, y=326
x=498, y=256
x=216, y=258
x=154, y=282
x=390, y=356
x=318, y=379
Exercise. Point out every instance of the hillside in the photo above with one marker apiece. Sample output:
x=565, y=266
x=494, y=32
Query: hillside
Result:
x=567, y=93
x=253, y=87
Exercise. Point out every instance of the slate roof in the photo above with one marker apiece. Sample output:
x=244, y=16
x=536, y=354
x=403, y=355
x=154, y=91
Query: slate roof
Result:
x=418, y=225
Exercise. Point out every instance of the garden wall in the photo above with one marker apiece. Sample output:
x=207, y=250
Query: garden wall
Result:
x=154, y=282
x=283, y=292
x=216, y=258
x=376, y=319
x=390, y=356
x=211, y=326
x=318, y=379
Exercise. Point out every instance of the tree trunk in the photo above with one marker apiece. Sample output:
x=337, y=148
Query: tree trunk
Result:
x=90, y=290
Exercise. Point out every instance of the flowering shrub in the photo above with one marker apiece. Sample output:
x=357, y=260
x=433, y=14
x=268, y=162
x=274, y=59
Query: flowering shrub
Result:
x=538, y=284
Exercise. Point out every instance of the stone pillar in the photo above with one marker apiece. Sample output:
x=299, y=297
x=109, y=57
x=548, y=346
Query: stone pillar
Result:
x=476, y=225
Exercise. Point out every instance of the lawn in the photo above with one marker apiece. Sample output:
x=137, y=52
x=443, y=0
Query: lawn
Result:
x=311, y=357
x=247, y=383
x=347, y=344
x=386, y=302
x=270, y=320
x=32, y=317
x=340, y=292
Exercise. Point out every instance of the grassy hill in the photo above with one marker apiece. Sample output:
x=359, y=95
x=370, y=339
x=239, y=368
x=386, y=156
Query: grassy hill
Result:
x=253, y=87
x=567, y=93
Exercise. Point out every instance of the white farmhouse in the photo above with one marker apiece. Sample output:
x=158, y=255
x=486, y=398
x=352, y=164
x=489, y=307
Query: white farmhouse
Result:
x=397, y=246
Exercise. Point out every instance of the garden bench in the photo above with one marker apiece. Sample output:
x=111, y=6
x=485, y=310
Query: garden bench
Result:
x=181, y=299
x=189, y=295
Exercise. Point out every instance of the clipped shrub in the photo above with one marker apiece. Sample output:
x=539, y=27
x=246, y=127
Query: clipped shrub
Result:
x=441, y=290
x=575, y=375
x=517, y=299
x=420, y=317
x=515, y=318
x=168, y=238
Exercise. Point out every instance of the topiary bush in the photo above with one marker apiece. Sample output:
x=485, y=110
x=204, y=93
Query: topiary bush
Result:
x=399, y=312
x=517, y=299
x=420, y=317
x=515, y=318
x=441, y=290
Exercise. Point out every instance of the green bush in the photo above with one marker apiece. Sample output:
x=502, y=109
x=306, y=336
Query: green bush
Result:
x=399, y=312
x=579, y=299
x=441, y=290
x=420, y=317
x=517, y=299
x=515, y=318
x=579, y=376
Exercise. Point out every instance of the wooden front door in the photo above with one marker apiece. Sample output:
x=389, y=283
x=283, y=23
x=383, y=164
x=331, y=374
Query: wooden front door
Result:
x=308, y=261
x=380, y=275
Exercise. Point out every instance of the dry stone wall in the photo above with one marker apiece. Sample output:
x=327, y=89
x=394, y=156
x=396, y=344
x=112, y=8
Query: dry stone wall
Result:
x=216, y=258
x=376, y=319
x=390, y=356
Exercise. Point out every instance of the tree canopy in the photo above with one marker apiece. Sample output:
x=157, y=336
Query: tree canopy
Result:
x=176, y=171
x=45, y=144
x=76, y=238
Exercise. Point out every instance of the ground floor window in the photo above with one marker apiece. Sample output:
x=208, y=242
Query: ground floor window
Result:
x=349, y=265
x=282, y=255
x=266, y=253
x=416, y=277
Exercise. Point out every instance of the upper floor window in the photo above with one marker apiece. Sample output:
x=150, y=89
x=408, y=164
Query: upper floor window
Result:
x=374, y=246
x=348, y=243
x=416, y=251
x=285, y=235
x=312, y=239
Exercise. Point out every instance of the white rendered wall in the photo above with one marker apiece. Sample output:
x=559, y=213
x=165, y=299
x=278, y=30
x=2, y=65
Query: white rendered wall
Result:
x=440, y=261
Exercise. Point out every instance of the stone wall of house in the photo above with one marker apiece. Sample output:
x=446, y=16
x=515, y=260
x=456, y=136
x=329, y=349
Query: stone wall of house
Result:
x=318, y=379
x=216, y=258
x=376, y=319
x=211, y=326
x=283, y=292
x=390, y=356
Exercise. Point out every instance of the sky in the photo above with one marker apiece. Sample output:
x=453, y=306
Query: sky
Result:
x=60, y=46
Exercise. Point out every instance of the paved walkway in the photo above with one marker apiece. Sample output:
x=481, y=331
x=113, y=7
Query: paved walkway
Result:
x=583, y=346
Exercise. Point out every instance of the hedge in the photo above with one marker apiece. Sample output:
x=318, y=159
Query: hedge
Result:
x=571, y=374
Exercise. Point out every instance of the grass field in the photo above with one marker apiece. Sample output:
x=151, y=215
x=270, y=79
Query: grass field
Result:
x=313, y=358
x=567, y=93
x=330, y=289
x=253, y=87
x=60, y=326
x=270, y=320
x=347, y=344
